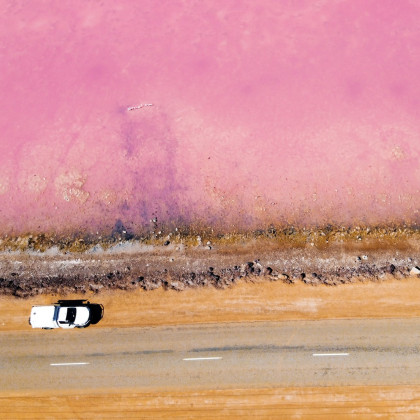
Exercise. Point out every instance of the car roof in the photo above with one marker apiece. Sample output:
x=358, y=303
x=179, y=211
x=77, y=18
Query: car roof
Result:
x=81, y=315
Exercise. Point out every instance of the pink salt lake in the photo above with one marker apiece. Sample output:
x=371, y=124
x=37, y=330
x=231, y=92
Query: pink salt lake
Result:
x=228, y=113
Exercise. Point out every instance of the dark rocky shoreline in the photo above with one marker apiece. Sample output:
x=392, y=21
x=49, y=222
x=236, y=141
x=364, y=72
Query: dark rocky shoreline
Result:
x=27, y=274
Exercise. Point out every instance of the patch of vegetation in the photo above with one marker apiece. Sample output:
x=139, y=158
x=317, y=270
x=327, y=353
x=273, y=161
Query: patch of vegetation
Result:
x=400, y=237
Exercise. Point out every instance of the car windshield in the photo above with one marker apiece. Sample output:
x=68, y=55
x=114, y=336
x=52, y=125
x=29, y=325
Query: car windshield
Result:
x=71, y=315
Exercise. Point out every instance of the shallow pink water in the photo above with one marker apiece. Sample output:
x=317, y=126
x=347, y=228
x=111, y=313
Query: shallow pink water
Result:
x=267, y=111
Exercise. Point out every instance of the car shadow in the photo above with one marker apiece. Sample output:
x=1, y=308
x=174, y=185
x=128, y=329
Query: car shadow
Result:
x=96, y=309
x=96, y=312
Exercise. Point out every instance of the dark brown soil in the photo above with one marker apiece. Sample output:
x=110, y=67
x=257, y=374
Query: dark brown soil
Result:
x=132, y=265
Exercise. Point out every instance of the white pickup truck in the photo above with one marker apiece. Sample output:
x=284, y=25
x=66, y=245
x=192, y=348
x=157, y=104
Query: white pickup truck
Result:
x=59, y=316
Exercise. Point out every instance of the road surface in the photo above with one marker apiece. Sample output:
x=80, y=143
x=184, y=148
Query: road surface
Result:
x=298, y=353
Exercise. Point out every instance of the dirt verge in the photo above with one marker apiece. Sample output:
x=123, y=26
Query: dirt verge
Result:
x=383, y=402
x=260, y=300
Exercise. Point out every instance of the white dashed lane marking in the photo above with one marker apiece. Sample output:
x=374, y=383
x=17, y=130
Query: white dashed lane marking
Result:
x=69, y=364
x=329, y=354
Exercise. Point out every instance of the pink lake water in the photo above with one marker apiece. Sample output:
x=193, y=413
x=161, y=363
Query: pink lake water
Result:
x=246, y=113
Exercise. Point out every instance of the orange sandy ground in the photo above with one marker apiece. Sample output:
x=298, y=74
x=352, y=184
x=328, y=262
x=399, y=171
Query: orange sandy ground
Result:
x=353, y=402
x=244, y=302
x=272, y=301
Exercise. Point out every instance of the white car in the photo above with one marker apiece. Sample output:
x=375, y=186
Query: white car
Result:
x=59, y=316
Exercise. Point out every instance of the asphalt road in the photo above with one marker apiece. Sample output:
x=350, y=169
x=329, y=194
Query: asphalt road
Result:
x=299, y=353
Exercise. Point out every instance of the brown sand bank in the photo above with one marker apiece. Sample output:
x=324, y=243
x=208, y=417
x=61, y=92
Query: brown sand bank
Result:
x=353, y=402
x=258, y=301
